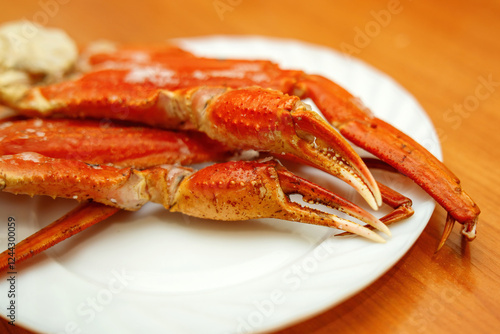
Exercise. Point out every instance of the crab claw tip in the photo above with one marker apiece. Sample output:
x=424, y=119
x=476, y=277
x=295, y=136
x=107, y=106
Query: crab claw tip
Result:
x=450, y=222
x=354, y=228
x=332, y=153
x=314, y=194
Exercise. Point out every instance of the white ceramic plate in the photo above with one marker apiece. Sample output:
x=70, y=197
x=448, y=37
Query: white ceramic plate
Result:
x=157, y=272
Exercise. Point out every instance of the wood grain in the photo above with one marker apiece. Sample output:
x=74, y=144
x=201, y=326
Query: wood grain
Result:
x=440, y=51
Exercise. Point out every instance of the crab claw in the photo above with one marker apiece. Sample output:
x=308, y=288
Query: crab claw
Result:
x=250, y=190
x=82, y=217
x=268, y=120
x=229, y=191
x=314, y=194
x=321, y=141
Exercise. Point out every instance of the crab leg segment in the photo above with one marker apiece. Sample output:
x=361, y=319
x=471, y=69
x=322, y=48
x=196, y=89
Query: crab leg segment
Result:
x=104, y=53
x=121, y=145
x=393, y=147
x=229, y=191
x=77, y=220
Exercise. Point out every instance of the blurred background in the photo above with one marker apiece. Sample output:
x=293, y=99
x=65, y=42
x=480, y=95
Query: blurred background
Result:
x=443, y=52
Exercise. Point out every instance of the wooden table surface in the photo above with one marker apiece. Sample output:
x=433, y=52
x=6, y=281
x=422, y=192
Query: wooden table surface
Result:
x=440, y=51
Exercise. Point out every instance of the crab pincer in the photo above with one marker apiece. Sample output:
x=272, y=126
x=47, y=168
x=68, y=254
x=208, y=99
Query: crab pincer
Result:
x=229, y=191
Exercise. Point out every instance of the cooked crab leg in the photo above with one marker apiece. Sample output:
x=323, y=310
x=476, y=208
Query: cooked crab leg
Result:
x=246, y=118
x=77, y=220
x=227, y=191
x=119, y=144
x=395, y=148
x=124, y=145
